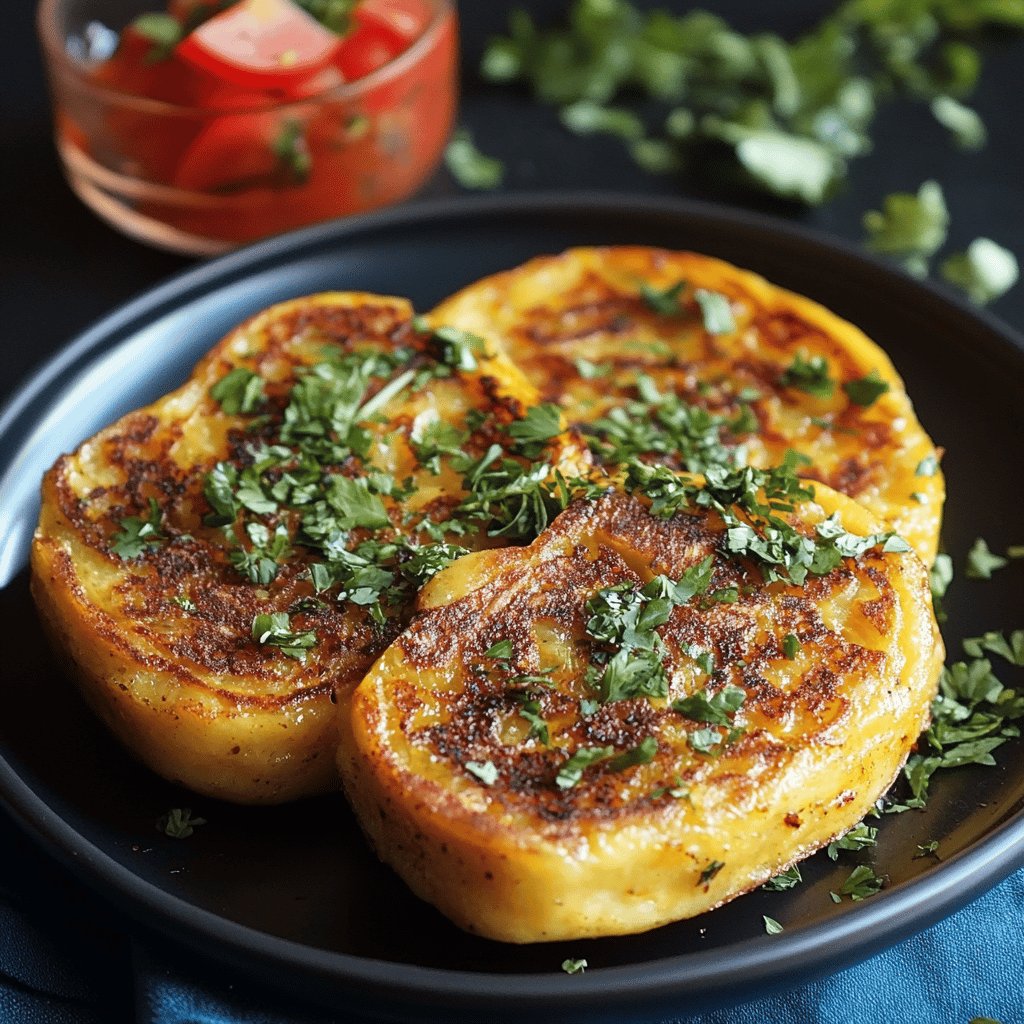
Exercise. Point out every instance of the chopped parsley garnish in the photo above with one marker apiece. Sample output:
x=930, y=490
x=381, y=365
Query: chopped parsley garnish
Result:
x=928, y=466
x=240, y=391
x=260, y=562
x=666, y=425
x=867, y=390
x=771, y=926
x=138, y=534
x=185, y=603
x=591, y=371
x=928, y=849
x=468, y=166
x=164, y=31
x=710, y=871
x=859, y=837
x=715, y=311
x=531, y=713
x=178, y=823
x=294, y=159
x=781, y=551
x=940, y=576
x=352, y=504
x=664, y=301
x=459, y=349
x=862, y=883
x=273, y=629
x=1012, y=649
x=677, y=791
x=784, y=880
x=571, y=966
x=981, y=562
x=628, y=657
x=704, y=741
x=717, y=709
x=972, y=715
x=571, y=771
x=789, y=116
x=427, y=560
x=502, y=650
x=810, y=375
x=485, y=771
x=541, y=423
x=986, y=271
x=643, y=753
x=790, y=646
x=910, y=228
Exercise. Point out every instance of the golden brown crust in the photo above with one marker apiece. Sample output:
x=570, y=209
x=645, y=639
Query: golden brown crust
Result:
x=162, y=640
x=587, y=303
x=823, y=731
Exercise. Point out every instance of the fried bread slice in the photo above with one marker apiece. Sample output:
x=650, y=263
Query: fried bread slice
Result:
x=221, y=566
x=623, y=725
x=618, y=336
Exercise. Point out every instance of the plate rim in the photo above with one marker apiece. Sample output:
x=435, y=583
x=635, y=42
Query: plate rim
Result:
x=848, y=936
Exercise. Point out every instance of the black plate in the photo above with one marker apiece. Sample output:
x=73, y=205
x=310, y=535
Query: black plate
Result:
x=293, y=892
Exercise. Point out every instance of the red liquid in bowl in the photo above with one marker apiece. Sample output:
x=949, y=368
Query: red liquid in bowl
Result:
x=196, y=157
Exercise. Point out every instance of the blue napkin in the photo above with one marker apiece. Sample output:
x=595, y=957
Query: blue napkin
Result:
x=65, y=958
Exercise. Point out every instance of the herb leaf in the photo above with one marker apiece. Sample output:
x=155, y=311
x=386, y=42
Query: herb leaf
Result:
x=138, y=534
x=240, y=391
x=485, y=771
x=809, y=375
x=178, y=823
x=981, y=562
x=986, y=271
x=716, y=311
x=274, y=630
x=469, y=167
x=911, y=228
x=571, y=771
x=867, y=390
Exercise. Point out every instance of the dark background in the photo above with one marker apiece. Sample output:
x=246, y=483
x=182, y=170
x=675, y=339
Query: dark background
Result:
x=61, y=268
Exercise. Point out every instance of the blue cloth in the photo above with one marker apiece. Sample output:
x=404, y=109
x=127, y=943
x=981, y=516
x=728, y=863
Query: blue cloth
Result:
x=67, y=958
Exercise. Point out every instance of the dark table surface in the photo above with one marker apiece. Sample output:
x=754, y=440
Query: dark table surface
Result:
x=61, y=268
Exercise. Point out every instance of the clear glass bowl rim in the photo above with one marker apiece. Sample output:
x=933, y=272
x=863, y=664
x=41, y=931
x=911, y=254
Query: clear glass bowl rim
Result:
x=54, y=47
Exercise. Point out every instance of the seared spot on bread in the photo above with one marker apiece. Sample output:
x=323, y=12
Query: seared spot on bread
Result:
x=438, y=735
x=589, y=304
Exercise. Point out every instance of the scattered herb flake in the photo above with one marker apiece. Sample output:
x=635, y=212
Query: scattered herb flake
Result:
x=501, y=651
x=911, y=228
x=771, y=926
x=665, y=301
x=138, y=534
x=810, y=375
x=862, y=883
x=716, y=311
x=784, y=880
x=710, y=871
x=471, y=168
x=643, y=753
x=178, y=823
x=571, y=771
x=240, y=391
x=591, y=371
x=273, y=629
x=981, y=562
x=571, y=966
x=485, y=771
x=986, y=271
x=867, y=390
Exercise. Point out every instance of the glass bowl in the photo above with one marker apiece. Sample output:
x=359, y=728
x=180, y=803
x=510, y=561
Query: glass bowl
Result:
x=236, y=164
